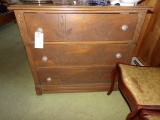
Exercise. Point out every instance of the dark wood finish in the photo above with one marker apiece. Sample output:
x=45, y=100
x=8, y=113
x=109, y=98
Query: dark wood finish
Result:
x=145, y=113
x=6, y=17
x=82, y=43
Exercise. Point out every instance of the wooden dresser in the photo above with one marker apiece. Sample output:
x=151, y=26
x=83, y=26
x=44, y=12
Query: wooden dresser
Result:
x=81, y=43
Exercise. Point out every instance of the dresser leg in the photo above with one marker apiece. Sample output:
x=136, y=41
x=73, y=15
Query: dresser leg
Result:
x=38, y=90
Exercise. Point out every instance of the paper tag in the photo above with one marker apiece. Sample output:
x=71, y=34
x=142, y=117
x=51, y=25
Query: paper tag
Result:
x=38, y=40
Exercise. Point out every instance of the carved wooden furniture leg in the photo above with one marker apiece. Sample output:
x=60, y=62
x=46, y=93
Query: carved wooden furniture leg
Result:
x=113, y=78
x=114, y=75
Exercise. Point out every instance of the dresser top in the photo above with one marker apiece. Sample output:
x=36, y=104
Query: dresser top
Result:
x=52, y=7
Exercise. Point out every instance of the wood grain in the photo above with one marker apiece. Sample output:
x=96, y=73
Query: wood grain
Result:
x=82, y=44
x=148, y=52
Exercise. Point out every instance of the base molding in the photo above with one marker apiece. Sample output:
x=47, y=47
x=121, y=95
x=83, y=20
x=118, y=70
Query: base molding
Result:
x=73, y=88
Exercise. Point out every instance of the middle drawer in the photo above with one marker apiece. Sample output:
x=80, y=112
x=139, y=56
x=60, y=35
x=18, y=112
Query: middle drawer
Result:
x=82, y=54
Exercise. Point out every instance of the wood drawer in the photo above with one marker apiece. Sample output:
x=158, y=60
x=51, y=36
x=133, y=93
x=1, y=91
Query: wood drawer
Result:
x=81, y=27
x=75, y=75
x=82, y=54
x=81, y=43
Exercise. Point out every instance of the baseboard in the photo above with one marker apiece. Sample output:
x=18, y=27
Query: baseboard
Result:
x=136, y=62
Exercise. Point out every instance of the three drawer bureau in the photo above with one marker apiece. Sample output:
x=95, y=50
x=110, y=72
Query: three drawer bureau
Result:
x=80, y=44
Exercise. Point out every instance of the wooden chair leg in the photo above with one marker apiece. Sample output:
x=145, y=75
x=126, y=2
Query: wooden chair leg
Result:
x=134, y=115
x=113, y=77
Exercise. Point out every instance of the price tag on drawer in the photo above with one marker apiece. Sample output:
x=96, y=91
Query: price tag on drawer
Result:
x=39, y=38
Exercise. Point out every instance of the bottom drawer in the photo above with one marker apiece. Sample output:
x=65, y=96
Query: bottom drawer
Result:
x=79, y=75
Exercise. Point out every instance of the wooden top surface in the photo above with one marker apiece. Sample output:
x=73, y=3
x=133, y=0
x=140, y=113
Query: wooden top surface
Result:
x=52, y=7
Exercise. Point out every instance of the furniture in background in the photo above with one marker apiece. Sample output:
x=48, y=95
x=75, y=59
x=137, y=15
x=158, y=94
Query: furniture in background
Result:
x=5, y=14
x=81, y=43
x=140, y=87
x=6, y=17
x=147, y=49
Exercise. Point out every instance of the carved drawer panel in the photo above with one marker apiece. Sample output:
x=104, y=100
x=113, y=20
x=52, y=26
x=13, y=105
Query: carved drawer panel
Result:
x=82, y=54
x=68, y=76
x=81, y=43
x=81, y=27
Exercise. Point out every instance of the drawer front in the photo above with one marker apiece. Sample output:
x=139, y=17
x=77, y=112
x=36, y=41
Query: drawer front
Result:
x=69, y=76
x=82, y=54
x=81, y=27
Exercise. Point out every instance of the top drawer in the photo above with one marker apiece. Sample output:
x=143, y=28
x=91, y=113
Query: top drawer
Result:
x=81, y=27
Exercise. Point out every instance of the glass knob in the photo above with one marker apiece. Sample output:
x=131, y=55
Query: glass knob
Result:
x=49, y=79
x=44, y=58
x=118, y=55
x=124, y=27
